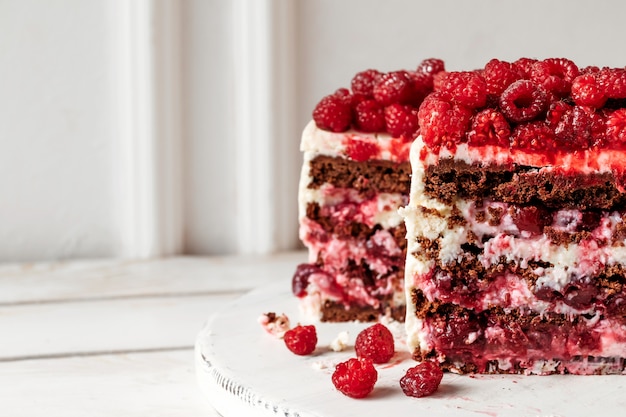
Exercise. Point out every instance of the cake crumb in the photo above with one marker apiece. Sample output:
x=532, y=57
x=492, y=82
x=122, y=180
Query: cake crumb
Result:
x=274, y=324
x=340, y=342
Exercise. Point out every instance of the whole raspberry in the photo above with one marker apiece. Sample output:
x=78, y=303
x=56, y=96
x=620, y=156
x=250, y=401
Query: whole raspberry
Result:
x=421, y=380
x=524, y=66
x=334, y=113
x=555, y=75
x=587, y=91
x=355, y=377
x=579, y=128
x=613, y=82
x=523, y=101
x=301, y=340
x=394, y=87
x=364, y=81
x=431, y=66
x=369, y=116
x=360, y=151
x=441, y=122
x=375, y=343
x=556, y=112
x=616, y=127
x=422, y=86
x=533, y=137
x=438, y=80
x=489, y=127
x=466, y=88
x=401, y=121
x=499, y=75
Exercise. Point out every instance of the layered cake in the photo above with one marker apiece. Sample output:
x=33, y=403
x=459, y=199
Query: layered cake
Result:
x=355, y=177
x=516, y=222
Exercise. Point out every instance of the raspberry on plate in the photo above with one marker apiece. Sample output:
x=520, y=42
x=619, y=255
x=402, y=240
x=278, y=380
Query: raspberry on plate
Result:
x=355, y=377
x=301, y=340
x=421, y=380
x=375, y=343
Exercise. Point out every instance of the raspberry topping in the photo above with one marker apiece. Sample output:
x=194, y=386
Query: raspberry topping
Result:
x=421, y=380
x=587, y=91
x=613, y=82
x=489, y=127
x=369, y=116
x=394, y=87
x=301, y=340
x=375, y=343
x=334, y=112
x=359, y=150
x=579, y=128
x=524, y=66
x=533, y=137
x=616, y=127
x=431, y=66
x=401, y=120
x=499, y=75
x=442, y=123
x=355, y=377
x=523, y=101
x=364, y=81
x=555, y=75
x=465, y=88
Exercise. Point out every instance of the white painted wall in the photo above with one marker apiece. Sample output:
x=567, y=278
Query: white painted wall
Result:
x=60, y=100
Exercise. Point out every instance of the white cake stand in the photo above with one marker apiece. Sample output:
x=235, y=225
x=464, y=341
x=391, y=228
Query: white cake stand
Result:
x=244, y=371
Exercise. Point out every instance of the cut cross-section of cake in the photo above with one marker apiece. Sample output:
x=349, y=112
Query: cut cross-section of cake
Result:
x=516, y=224
x=355, y=177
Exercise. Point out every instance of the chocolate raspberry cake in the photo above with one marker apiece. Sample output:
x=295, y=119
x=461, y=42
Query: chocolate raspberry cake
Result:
x=516, y=222
x=355, y=177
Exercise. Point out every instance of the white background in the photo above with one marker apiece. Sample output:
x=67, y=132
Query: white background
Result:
x=134, y=128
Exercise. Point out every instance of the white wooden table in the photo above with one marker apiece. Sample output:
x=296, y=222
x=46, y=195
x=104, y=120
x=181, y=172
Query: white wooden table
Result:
x=115, y=338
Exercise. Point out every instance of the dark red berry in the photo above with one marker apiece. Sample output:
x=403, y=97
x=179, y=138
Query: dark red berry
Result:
x=441, y=122
x=523, y=101
x=466, y=88
x=616, y=127
x=579, y=128
x=369, y=116
x=556, y=113
x=431, y=66
x=394, y=87
x=375, y=343
x=421, y=380
x=360, y=151
x=587, y=91
x=401, y=120
x=613, y=82
x=422, y=86
x=580, y=294
x=301, y=340
x=364, y=81
x=531, y=219
x=489, y=127
x=334, y=113
x=499, y=75
x=555, y=75
x=300, y=279
x=524, y=66
x=533, y=137
x=355, y=377
x=458, y=333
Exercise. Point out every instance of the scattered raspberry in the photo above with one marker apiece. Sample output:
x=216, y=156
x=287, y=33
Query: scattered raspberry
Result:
x=355, y=377
x=466, y=88
x=524, y=66
x=489, y=127
x=301, y=340
x=364, y=81
x=442, y=123
x=401, y=120
x=360, y=150
x=431, y=66
x=587, y=91
x=421, y=380
x=375, y=343
x=275, y=324
x=499, y=75
x=613, y=82
x=555, y=75
x=334, y=112
x=369, y=116
x=534, y=136
x=394, y=87
x=523, y=101
x=616, y=127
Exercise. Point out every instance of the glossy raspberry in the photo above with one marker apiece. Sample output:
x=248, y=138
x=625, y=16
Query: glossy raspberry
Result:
x=613, y=82
x=524, y=66
x=587, y=91
x=421, y=380
x=556, y=112
x=466, y=88
x=369, y=116
x=441, y=122
x=499, y=75
x=355, y=377
x=489, y=127
x=334, y=113
x=394, y=87
x=360, y=150
x=431, y=66
x=533, y=137
x=523, y=101
x=375, y=343
x=364, y=81
x=555, y=75
x=301, y=340
x=616, y=127
x=401, y=120
x=579, y=128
